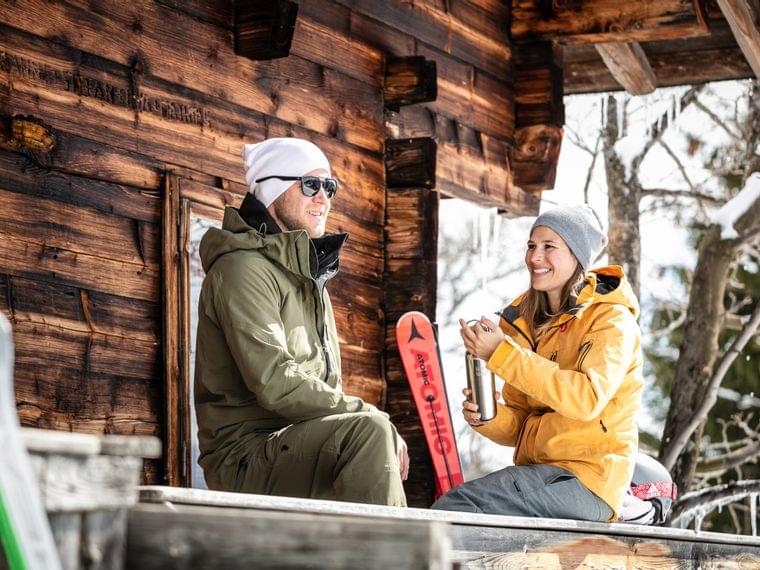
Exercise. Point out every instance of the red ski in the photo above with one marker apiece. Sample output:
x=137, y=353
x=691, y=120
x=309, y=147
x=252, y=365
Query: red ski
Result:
x=418, y=346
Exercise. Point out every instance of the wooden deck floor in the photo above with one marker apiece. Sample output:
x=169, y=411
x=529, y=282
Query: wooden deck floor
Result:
x=437, y=539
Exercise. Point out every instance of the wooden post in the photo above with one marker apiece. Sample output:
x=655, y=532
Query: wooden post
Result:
x=539, y=115
x=409, y=80
x=410, y=163
x=629, y=65
x=410, y=282
x=175, y=450
x=264, y=28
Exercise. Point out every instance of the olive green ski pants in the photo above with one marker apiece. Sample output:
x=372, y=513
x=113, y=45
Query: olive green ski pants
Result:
x=344, y=457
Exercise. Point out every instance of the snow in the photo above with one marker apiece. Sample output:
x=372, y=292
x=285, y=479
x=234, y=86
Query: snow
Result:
x=735, y=208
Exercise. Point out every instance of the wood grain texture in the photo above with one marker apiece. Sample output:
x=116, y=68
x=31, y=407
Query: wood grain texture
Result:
x=606, y=20
x=629, y=65
x=211, y=538
x=744, y=18
x=410, y=283
x=674, y=62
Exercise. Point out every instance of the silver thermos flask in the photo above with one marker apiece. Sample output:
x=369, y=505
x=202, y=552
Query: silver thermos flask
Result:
x=483, y=387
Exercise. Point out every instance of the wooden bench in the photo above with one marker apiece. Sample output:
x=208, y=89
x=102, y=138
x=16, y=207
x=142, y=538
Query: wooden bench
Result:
x=86, y=484
x=473, y=540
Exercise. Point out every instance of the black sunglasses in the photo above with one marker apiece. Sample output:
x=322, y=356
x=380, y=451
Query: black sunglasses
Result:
x=310, y=185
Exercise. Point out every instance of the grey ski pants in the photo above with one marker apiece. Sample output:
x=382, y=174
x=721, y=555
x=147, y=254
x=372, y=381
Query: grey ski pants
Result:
x=527, y=491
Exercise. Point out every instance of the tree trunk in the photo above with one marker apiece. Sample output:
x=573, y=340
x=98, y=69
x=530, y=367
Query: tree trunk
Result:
x=705, y=317
x=624, y=247
x=699, y=348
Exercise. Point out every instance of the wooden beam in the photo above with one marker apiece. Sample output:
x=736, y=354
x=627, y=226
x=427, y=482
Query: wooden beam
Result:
x=598, y=21
x=264, y=28
x=410, y=163
x=535, y=158
x=409, y=80
x=675, y=62
x=629, y=65
x=744, y=18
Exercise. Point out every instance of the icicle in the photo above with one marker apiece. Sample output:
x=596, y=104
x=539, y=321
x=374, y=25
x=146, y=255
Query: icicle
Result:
x=484, y=229
x=753, y=512
x=620, y=101
x=699, y=516
x=496, y=235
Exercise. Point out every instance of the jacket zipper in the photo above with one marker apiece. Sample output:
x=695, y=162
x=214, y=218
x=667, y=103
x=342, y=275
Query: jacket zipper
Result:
x=584, y=350
x=323, y=333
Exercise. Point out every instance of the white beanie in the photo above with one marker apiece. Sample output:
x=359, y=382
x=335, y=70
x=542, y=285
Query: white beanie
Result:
x=281, y=157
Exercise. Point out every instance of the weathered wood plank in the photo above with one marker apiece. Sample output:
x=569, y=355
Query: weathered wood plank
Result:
x=90, y=351
x=629, y=65
x=214, y=147
x=440, y=29
x=206, y=537
x=59, y=397
x=410, y=163
x=73, y=483
x=538, y=85
x=264, y=30
x=606, y=20
x=535, y=158
x=172, y=44
x=674, y=62
x=744, y=18
x=41, y=262
x=67, y=528
x=20, y=175
x=409, y=80
x=172, y=341
x=409, y=283
x=79, y=229
x=496, y=547
x=104, y=539
x=72, y=308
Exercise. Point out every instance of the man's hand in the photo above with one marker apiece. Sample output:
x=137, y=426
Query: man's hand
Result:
x=482, y=338
x=402, y=452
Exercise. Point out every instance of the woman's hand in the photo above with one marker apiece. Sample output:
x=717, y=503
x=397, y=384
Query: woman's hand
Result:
x=470, y=410
x=482, y=338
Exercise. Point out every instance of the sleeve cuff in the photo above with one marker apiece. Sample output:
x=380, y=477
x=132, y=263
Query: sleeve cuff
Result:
x=501, y=354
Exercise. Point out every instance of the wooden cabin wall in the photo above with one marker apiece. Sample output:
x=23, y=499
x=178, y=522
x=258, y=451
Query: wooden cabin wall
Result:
x=99, y=101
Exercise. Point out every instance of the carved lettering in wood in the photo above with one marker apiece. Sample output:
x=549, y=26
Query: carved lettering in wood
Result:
x=84, y=86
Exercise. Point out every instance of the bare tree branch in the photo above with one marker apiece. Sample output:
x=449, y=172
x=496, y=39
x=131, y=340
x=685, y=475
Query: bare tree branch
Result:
x=659, y=126
x=706, y=500
x=590, y=172
x=722, y=463
x=681, y=439
x=666, y=192
x=716, y=119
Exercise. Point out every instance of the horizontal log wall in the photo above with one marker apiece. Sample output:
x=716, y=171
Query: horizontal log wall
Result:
x=124, y=93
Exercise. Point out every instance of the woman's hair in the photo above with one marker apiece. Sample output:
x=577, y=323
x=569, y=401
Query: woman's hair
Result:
x=534, y=306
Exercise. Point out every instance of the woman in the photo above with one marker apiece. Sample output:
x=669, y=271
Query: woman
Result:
x=569, y=353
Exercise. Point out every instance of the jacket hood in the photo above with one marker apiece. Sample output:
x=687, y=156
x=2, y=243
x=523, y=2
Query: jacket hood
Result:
x=603, y=285
x=608, y=285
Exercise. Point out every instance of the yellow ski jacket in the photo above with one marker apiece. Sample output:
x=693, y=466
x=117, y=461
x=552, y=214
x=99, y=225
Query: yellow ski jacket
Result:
x=572, y=395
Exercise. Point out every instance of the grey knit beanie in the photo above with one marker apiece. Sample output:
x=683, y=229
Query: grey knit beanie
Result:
x=581, y=229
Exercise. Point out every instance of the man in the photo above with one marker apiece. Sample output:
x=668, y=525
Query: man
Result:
x=272, y=416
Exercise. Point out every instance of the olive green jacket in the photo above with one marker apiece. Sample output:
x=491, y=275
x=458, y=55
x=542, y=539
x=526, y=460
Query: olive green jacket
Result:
x=267, y=348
